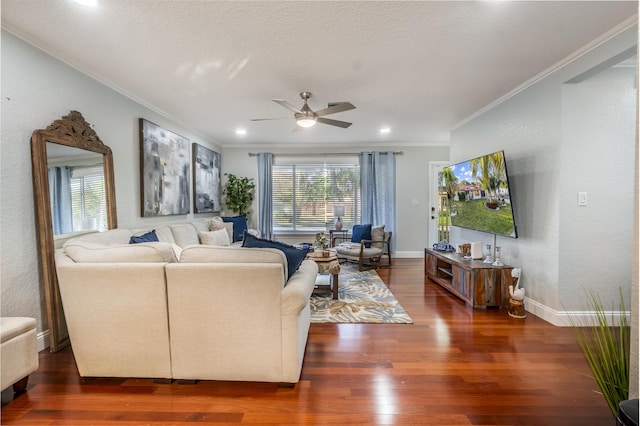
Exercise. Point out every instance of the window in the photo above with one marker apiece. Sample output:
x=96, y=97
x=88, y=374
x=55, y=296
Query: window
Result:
x=304, y=194
x=88, y=199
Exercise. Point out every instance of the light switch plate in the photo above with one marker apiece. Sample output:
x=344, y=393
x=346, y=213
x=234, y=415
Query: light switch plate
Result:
x=582, y=199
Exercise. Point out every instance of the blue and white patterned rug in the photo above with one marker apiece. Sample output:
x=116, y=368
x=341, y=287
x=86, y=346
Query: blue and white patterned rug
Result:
x=362, y=298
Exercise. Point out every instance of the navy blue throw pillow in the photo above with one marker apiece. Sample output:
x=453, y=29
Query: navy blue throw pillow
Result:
x=294, y=255
x=239, y=226
x=361, y=232
x=149, y=237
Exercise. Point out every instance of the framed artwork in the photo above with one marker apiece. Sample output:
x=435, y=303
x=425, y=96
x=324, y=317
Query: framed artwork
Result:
x=164, y=168
x=206, y=180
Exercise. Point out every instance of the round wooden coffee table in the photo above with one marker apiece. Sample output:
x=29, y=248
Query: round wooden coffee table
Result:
x=328, y=265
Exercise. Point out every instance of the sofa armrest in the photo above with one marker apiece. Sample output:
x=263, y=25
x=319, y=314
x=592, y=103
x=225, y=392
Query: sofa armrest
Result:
x=296, y=294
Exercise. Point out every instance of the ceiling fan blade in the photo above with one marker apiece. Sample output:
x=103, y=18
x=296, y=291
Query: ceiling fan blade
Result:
x=335, y=107
x=287, y=105
x=331, y=122
x=265, y=119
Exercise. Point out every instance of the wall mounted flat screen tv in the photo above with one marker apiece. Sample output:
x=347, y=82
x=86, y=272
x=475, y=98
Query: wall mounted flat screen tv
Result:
x=479, y=195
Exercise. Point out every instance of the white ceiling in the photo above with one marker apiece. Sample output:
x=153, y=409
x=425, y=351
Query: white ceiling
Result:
x=418, y=67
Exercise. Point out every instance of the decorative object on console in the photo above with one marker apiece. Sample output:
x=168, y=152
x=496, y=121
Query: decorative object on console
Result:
x=338, y=213
x=516, y=302
x=498, y=262
x=239, y=194
x=206, y=180
x=164, y=168
x=464, y=250
x=443, y=246
x=476, y=250
x=489, y=258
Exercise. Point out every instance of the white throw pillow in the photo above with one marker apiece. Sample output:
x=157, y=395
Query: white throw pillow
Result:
x=215, y=238
x=217, y=224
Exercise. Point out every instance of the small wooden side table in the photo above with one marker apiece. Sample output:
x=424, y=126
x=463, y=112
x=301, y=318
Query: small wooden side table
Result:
x=343, y=233
x=328, y=266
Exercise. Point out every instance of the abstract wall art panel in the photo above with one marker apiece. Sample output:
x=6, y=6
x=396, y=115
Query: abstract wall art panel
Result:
x=206, y=180
x=164, y=168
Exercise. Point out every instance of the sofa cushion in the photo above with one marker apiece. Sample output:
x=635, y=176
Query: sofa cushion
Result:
x=185, y=234
x=215, y=238
x=201, y=225
x=239, y=226
x=86, y=252
x=361, y=232
x=217, y=254
x=217, y=224
x=111, y=236
x=294, y=255
x=149, y=237
x=377, y=234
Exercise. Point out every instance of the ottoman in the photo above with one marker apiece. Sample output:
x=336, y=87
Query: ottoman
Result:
x=18, y=351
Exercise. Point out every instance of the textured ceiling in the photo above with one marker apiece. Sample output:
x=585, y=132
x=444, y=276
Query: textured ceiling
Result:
x=417, y=67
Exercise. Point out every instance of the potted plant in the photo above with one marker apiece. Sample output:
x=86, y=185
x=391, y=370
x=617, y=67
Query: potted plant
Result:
x=606, y=348
x=321, y=243
x=239, y=194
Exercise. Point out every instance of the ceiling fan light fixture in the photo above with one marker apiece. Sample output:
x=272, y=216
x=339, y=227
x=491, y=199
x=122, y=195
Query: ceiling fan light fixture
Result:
x=306, y=122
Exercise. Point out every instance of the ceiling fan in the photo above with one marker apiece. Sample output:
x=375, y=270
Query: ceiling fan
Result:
x=305, y=117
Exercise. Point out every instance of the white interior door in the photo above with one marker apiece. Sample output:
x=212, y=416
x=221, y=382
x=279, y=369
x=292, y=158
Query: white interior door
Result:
x=435, y=167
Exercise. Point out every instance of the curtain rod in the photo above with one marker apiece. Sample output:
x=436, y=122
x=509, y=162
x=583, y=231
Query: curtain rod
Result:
x=255, y=154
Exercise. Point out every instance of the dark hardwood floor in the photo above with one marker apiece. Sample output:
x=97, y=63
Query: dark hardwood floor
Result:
x=453, y=366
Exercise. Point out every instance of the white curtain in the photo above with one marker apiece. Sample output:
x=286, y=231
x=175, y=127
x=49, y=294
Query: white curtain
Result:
x=265, y=195
x=378, y=189
x=60, y=198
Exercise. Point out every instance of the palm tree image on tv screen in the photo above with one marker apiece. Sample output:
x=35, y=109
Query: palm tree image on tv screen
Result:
x=478, y=195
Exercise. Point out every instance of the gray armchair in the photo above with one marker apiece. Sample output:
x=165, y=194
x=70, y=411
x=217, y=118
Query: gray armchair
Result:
x=366, y=257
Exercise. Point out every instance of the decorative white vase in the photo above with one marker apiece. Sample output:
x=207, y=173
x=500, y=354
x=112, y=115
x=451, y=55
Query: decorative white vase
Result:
x=338, y=224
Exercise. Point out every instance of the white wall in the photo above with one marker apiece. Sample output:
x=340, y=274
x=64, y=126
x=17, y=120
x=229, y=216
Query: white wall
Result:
x=37, y=89
x=412, y=183
x=598, y=146
x=560, y=139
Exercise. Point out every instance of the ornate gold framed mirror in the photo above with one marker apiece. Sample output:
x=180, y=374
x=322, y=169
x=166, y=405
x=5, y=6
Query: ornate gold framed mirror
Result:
x=71, y=131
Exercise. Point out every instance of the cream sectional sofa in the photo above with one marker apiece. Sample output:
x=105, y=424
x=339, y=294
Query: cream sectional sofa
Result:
x=177, y=309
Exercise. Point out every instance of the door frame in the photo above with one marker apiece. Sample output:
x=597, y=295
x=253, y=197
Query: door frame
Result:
x=435, y=167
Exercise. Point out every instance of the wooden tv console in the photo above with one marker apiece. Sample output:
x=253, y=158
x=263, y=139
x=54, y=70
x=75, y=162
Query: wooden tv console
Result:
x=481, y=285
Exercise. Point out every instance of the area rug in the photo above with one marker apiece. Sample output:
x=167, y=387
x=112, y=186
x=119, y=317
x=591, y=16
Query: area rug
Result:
x=362, y=298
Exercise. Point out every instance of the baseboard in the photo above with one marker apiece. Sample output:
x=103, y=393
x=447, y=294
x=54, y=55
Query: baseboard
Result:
x=42, y=339
x=408, y=254
x=564, y=318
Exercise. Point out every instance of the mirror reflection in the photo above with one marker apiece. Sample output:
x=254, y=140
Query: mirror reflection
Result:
x=76, y=189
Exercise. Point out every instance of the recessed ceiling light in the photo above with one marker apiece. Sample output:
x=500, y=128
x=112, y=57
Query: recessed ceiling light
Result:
x=385, y=130
x=87, y=2
x=241, y=132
